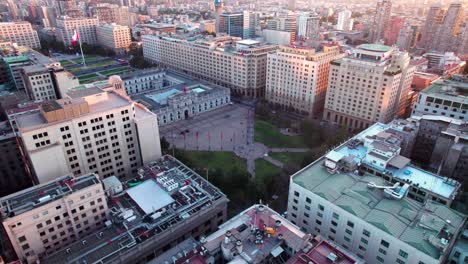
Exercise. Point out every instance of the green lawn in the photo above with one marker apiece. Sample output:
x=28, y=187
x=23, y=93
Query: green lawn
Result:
x=271, y=136
x=265, y=171
x=115, y=71
x=215, y=160
x=66, y=63
x=286, y=157
x=87, y=76
x=89, y=58
x=90, y=80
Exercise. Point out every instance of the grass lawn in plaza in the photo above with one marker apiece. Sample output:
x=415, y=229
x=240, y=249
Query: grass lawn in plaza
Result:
x=271, y=136
x=286, y=157
x=115, y=71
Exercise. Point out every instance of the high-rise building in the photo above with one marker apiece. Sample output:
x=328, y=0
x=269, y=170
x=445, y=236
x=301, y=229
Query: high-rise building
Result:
x=309, y=27
x=21, y=33
x=114, y=37
x=302, y=87
x=163, y=205
x=445, y=98
x=218, y=5
x=291, y=5
x=95, y=128
x=86, y=28
x=381, y=20
x=367, y=87
x=407, y=36
x=250, y=24
x=345, y=22
x=392, y=30
x=113, y=14
x=46, y=217
x=259, y=235
x=232, y=24
x=368, y=198
x=240, y=64
x=441, y=31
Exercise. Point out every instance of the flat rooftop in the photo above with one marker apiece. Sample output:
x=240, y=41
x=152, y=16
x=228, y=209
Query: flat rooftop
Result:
x=135, y=216
x=24, y=201
x=375, y=47
x=455, y=89
x=406, y=219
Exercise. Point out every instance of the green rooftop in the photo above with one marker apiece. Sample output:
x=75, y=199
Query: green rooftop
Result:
x=16, y=59
x=375, y=47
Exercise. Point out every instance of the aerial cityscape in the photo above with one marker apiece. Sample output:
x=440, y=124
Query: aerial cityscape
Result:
x=234, y=131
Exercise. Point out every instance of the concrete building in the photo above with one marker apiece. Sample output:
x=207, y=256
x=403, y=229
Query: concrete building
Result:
x=86, y=28
x=445, y=98
x=258, y=235
x=232, y=24
x=96, y=128
x=366, y=197
x=227, y=61
x=21, y=33
x=459, y=252
x=345, y=22
x=109, y=13
x=208, y=26
x=381, y=20
x=302, y=87
x=114, y=37
x=218, y=6
x=392, y=30
x=45, y=218
x=172, y=96
x=309, y=27
x=407, y=36
x=150, y=215
x=277, y=37
x=369, y=86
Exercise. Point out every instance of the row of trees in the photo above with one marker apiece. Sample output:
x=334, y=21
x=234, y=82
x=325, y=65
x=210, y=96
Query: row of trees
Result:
x=57, y=46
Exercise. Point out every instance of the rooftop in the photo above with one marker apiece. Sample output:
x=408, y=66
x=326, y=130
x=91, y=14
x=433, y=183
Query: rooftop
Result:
x=24, y=201
x=162, y=197
x=457, y=87
x=378, y=202
x=375, y=47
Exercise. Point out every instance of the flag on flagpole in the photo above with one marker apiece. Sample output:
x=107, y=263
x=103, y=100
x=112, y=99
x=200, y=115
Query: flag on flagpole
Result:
x=75, y=38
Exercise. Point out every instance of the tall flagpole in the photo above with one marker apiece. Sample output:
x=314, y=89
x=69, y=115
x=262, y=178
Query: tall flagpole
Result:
x=81, y=48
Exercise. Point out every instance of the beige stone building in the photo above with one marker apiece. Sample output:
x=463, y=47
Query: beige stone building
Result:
x=20, y=32
x=367, y=87
x=115, y=37
x=86, y=28
x=227, y=61
x=45, y=218
x=297, y=78
x=95, y=128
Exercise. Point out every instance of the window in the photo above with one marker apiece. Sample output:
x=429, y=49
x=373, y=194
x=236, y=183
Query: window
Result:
x=321, y=207
x=403, y=254
x=364, y=241
x=382, y=251
x=366, y=233
x=349, y=232
x=399, y=261
x=350, y=224
x=308, y=200
x=21, y=239
x=336, y=216
x=380, y=259
x=384, y=243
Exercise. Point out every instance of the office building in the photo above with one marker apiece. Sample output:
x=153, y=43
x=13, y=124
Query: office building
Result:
x=392, y=30
x=277, y=37
x=381, y=20
x=218, y=6
x=345, y=22
x=208, y=26
x=95, y=128
x=251, y=21
x=86, y=28
x=21, y=33
x=227, y=61
x=232, y=24
x=309, y=27
x=114, y=37
x=369, y=199
x=287, y=22
x=445, y=98
x=407, y=36
x=258, y=235
x=302, y=87
x=108, y=13
x=165, y=204
x=47, y=217
x=173, y=97
x=369, y=86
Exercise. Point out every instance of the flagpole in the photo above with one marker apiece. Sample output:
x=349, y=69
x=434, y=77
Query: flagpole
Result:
x=81, y=48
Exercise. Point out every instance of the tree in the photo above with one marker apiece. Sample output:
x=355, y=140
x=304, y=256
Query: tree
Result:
x=139, y=62
x=165, y=145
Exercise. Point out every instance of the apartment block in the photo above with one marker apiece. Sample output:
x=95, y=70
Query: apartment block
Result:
x=371, y=85
x=376, y=204
x=86, y=28
x=109, y=13
x=446, y=97
x=227, y=61
x=162, y=206
x=20, y=32
x=95, y=128
x=45, y=218
x=114, y=37
x=303, y=86
x=259, y=235
x=381, y=20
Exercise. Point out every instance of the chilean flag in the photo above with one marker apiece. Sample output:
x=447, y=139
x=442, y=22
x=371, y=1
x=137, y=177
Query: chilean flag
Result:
x=75, y=38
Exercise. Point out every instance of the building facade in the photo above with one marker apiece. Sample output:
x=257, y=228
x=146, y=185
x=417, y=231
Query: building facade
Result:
x=369, y=86
x=381, y=20
x=45, y=218
x=345, y=22
x=96, y=128
x=114, y=37
x=302, y=87
x=86, y=28
x=309, y=27
x=21, y=33
x=227, y=61
x=374, y=212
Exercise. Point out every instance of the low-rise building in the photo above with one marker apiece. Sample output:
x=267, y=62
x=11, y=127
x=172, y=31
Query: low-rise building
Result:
x=368, y=198
x=44, y=218
x=165, y=204
x=447, y=98
x=114, y=37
